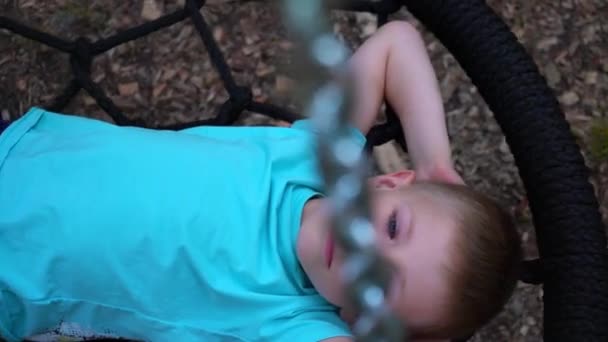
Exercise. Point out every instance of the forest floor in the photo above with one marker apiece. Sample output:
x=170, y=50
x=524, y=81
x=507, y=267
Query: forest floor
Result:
x=166, y=77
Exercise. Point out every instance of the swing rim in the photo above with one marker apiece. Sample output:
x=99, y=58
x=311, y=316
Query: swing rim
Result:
x=573, y=263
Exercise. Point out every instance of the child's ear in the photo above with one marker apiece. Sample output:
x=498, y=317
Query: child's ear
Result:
x=394, y=180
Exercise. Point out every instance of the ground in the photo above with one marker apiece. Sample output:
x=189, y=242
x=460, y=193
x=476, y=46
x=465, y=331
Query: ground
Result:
x=167, y=77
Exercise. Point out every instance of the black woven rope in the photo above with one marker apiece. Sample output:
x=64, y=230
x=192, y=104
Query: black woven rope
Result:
x=574, y=262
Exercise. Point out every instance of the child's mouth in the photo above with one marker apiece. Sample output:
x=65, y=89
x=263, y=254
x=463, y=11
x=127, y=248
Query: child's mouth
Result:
x=329, y=250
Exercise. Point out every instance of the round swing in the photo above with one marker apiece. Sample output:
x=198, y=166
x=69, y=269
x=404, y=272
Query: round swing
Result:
x=573, y=264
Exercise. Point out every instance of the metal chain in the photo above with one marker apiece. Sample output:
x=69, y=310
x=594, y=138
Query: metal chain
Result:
x=327, y=89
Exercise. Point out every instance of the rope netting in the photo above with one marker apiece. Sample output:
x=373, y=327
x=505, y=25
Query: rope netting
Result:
x=573, y=265
x=82, y=53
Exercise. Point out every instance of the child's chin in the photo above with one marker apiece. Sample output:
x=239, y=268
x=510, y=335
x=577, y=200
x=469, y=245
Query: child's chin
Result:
x=334, y=295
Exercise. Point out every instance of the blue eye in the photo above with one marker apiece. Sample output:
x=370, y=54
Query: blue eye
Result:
x=392, y=225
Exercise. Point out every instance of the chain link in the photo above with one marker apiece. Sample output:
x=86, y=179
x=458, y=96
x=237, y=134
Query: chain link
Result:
x=327, y=90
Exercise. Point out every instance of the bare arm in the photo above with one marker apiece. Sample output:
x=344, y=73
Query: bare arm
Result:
x=394, y=64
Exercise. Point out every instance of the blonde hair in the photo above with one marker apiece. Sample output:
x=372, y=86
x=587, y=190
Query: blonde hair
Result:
x=487, y=255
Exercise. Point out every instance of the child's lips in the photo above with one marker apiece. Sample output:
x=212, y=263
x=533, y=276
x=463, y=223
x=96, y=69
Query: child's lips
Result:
x=329, y=250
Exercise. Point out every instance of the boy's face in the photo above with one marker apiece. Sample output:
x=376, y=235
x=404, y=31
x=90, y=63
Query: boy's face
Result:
x=413, y=231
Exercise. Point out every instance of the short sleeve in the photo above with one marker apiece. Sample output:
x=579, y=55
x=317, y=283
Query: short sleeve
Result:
x=355, y=133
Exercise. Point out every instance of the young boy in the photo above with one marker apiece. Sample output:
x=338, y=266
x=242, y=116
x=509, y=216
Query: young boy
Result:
x=221, y=233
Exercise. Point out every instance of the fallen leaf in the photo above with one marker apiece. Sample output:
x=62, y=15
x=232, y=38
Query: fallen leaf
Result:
x=168, y=74
x=248, y=50
x=151, y=10
x=547, y=43
x=448, y=86
x=210, y=97
x=553, y=75
x=569, y=98
x=217, y=2
x=128, y=89
x=125, y=102
x=367, y=22
x=198, y=81
x=88, y=100
x=604, y=64
x=158, y=89
x=591, y=77
x=218, y=34
x=524, y=330
x=260, y=98
x=256, y=91
x=21, y=84
x=250, y=40
x=576, y=116
x=186, y=31
x=27, y=4
x=473, y=112
x=100, y=77
x=264, y=70
x=183, y=74
x=238, y=63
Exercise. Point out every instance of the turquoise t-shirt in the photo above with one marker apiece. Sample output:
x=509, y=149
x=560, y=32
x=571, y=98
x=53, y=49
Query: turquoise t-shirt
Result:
x=157, y=235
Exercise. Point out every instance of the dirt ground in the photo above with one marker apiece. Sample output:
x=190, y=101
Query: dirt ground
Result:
x=167, y=77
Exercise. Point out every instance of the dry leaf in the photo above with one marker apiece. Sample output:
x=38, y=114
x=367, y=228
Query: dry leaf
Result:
x=591, y=77
x=449, y=84
x=100, y=77
x=250, y=40
x=168, y=74
x=260, y=98
x=158, y=89
x=88, y=100
x=218, y=34
x=367, y=22
x=128, y=89
x=256, y=91
x=547, y=43
x=248, y=50
x=264, y=70
x=198, y=81
x=569, y=98
x=21, y=84
x=151, y=10
x=553, y=75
